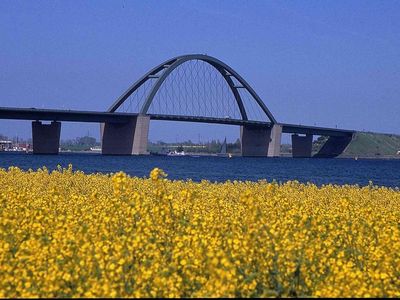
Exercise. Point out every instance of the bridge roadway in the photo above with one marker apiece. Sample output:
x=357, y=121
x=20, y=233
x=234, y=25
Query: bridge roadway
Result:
x=117, y=117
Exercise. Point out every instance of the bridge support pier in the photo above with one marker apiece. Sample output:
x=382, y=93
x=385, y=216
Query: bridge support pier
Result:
x=125, y=138
x=302, y=145
x=259, y=141
x=46, y=137
x=334, y=146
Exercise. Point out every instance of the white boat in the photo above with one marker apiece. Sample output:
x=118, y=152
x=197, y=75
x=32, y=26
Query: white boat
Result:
x=222, y=152
x=95, y=149
x=176, y=153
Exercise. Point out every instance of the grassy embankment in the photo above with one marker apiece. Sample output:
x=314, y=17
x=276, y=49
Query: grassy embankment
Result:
x=367, y=144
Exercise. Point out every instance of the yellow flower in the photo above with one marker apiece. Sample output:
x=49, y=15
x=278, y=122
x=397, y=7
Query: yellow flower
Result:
x=67, y=234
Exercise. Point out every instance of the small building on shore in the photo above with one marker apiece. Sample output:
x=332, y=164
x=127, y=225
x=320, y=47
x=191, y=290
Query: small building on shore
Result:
x=5, y=145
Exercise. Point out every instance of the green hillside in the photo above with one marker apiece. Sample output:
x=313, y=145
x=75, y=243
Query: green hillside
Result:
x=370, y=144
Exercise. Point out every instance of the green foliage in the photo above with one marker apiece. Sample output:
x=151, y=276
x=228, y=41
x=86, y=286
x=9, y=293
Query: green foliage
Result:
x=318, y=143
x=214, y=146
x=79, y=144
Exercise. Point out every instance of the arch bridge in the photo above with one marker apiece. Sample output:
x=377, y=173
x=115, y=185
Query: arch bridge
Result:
x=190, y=88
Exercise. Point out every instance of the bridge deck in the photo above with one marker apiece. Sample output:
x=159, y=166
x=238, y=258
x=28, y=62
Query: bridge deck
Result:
x=116, y=117
x=62, y=115
x=304, y=129
x=226, y=121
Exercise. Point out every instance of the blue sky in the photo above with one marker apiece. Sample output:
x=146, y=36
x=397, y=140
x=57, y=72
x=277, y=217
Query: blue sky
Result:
x=329, y=63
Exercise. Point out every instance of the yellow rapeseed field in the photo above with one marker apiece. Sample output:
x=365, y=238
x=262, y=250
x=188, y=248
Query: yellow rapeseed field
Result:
x=67, y=234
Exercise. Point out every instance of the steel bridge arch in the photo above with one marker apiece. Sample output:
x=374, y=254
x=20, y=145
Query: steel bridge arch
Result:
x=170, y=65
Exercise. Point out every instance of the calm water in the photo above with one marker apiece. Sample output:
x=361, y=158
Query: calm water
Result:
x=318, y=171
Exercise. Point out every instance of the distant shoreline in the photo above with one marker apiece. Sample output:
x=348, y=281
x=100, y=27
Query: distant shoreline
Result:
x=283, y=155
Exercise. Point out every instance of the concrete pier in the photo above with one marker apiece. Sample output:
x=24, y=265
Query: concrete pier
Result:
x=259, y=141
x=46, y=137
x=125, y=138
x=302, y=145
